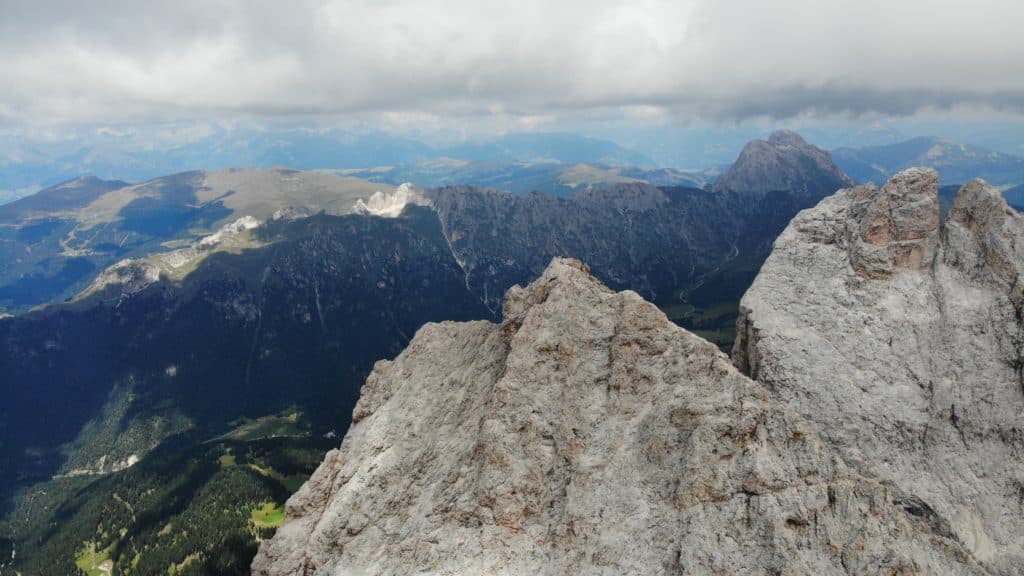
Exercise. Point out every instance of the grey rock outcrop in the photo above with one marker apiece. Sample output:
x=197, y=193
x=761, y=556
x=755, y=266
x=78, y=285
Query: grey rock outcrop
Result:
x=587, y=434
x=123, y=280
x=899, y=226
x=785, y=162
x=900, y=337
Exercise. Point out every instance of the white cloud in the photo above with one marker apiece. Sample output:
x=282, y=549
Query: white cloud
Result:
x=538, y=61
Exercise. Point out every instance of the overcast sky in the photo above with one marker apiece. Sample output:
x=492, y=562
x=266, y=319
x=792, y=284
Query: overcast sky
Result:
x=533, y=63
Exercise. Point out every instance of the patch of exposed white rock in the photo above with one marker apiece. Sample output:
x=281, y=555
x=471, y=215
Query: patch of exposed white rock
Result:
x=102, y=466
x=390, y=204
x=130, y=276
x=232, y=229
x=588, y=434
x=127, y=278
x=900, y=337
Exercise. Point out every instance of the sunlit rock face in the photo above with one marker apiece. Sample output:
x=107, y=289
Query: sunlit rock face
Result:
x=900, y=337
x=389, y=204
x=587, y=434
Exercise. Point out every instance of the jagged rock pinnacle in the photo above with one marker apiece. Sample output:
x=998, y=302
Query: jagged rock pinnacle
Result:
x=902, y=339
x=899, y=225
x=588, y=434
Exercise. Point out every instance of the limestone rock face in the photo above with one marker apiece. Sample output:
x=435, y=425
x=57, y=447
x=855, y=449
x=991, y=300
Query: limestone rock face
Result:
x=587, y=434
x=901, y=340
x=784, y=162
x=123, y=280
x=390, y=204
x=898, y=226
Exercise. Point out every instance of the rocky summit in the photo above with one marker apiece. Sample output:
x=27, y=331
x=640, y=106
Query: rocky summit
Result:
x=900, y=337
x=784, y=162
x=587, y=434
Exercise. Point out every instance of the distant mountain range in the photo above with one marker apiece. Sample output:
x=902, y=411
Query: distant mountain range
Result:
x=110, y=156
x=1015, y=196
x=198, y=336
x=235, y=247
x=956, y=163
x=222, y=321
x=217, y=339
x=53, y=243
x=553, y=163
x=553, y=178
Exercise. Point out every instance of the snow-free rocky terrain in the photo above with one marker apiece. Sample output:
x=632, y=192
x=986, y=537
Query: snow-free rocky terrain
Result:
x=783, y=162
x=899, y=335
x=587, y=434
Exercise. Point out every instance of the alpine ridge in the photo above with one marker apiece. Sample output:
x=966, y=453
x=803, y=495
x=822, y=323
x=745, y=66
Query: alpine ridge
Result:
x=900, y=337
x=588, y=434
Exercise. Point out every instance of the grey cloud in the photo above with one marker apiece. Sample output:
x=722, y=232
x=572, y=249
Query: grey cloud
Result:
x=847, y=101
x=65, y=62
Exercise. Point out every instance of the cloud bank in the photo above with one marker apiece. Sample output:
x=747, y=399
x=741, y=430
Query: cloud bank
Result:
x=68, y=62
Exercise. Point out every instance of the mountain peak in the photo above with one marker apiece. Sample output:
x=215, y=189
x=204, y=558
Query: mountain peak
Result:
x=784, y=163
x=982, y=236
x=899, y=225
x=786, y=137
x=979, y=204
x=84, y=179
x=899, y=336
x=586, y=434
x=562, y=275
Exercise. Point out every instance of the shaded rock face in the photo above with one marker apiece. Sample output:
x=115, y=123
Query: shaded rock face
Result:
x=586, y=434
x=785, y=162
x=634, y=235
x=677, y=247
x=901, y=339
